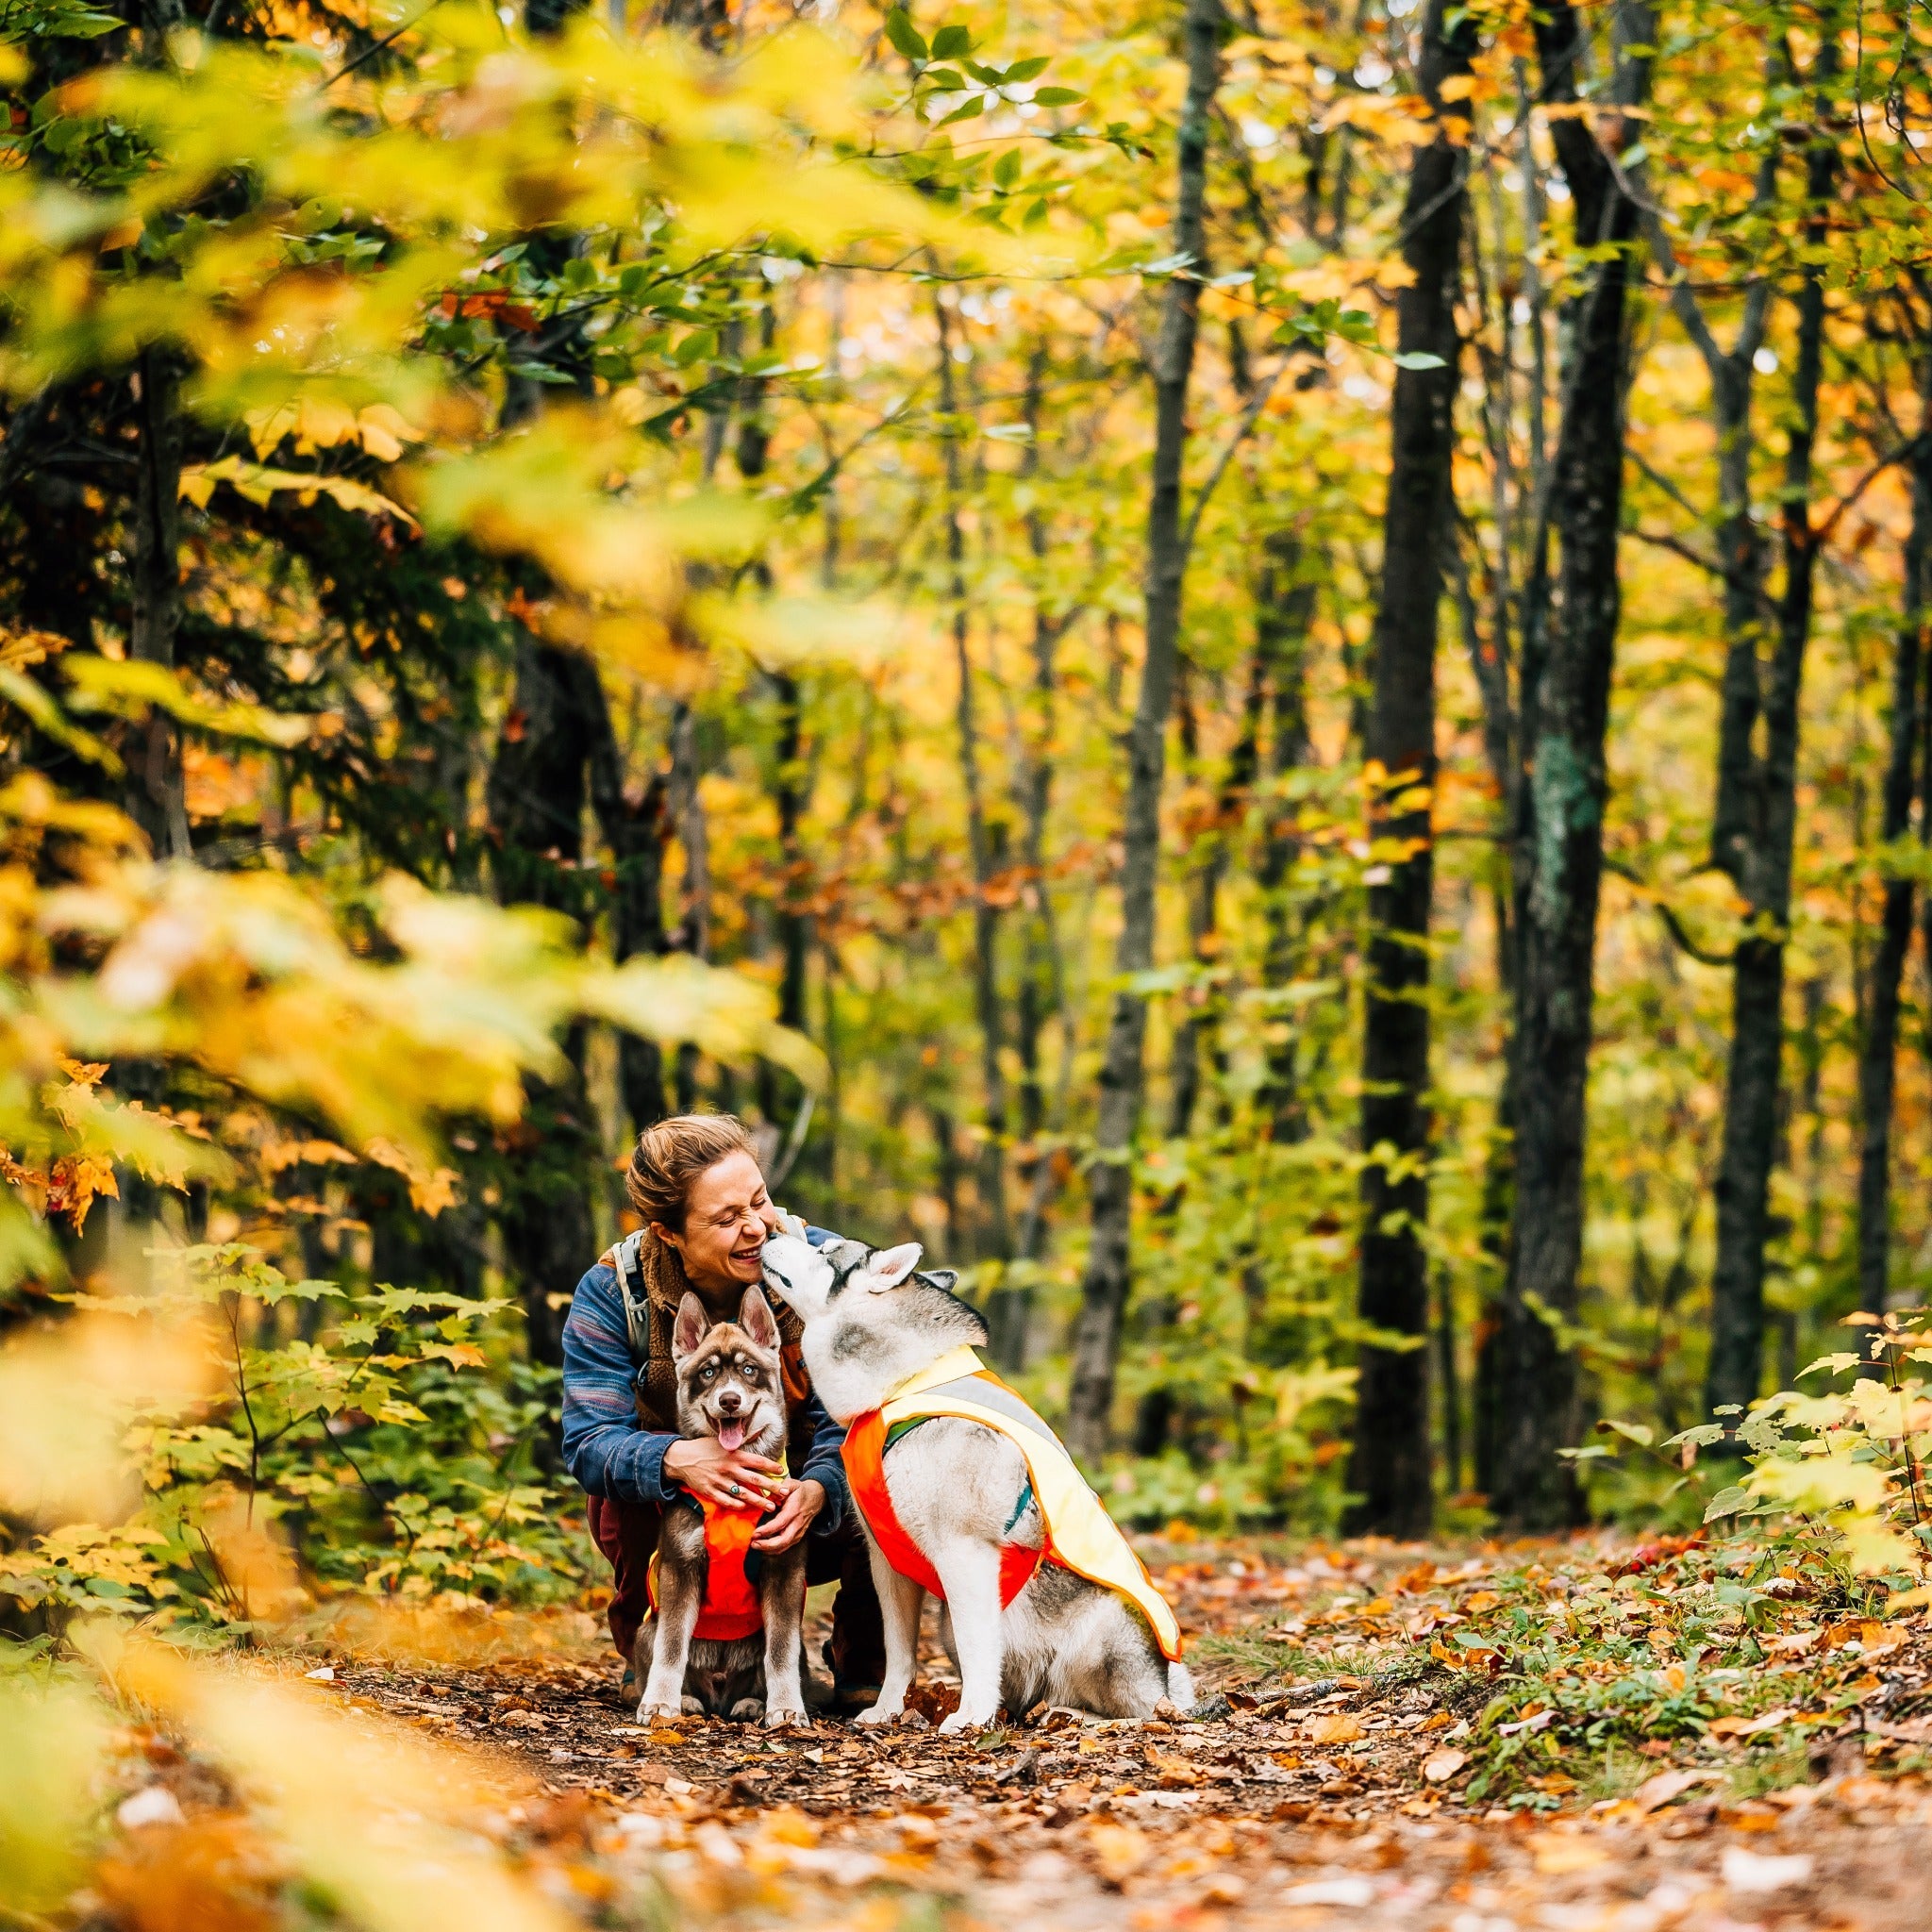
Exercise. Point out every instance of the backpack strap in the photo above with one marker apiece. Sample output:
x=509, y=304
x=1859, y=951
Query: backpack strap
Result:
x=631, y=1284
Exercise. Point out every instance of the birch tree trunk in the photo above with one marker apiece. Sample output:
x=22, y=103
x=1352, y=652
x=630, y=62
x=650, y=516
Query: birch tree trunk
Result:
x=1389, y=1471
x=1122, y=1073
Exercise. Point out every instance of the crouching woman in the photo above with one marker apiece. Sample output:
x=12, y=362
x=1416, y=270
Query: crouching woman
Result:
x=695, y=1181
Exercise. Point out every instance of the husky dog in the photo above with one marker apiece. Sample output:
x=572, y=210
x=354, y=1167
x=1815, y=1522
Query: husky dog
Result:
x=731, y=1385
x=961, y=1491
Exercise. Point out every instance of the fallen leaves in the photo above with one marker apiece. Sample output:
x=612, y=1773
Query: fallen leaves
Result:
x=1176, y=1772
x=1557, y=1853
x=1119, y=1850
x=1656, y=1792
x=1757, y=1871
x=1334, y=1727
x=1752, y=1726
x=1440, y=1766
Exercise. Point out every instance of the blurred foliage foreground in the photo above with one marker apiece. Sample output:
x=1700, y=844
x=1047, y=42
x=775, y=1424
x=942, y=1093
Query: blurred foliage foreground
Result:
x=203, y=1470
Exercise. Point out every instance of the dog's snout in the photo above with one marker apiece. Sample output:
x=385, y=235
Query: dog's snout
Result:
x=730, y=1401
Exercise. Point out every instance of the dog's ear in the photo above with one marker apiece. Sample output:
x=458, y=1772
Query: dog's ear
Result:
x=892, y=1267
x=690, y=1328
x=939, y=1278
x=756, y=1318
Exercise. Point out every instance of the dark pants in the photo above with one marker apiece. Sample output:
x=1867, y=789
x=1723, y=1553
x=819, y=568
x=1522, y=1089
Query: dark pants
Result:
x=627, y=1534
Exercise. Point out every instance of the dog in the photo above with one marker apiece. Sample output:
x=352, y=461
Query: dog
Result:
x=729, y=1385
x=962, y=1492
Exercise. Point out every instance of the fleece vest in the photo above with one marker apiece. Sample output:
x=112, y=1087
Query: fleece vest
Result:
x=1080, y=1536
x=731, y=1608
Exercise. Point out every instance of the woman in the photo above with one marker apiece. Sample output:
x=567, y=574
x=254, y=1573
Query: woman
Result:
x=696, y=1183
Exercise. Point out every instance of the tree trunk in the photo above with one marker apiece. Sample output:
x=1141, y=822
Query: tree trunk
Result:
x=536, y=799
x=157, y=795
x=1042, y=985
x=1389, y=1471
x=1569, y=646
x=1122, y=1073
x=1284, y=609
x=1750, y=1138
x=633, y=821
x=690, y=827
x=995, y=1234
x=1877, y=1061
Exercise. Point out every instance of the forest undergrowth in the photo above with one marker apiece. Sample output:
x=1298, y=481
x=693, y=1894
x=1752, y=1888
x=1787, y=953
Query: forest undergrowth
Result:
x=1580, y=1733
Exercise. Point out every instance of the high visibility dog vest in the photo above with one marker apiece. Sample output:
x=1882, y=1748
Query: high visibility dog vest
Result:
x=731, y=1608
x=1080, y=1536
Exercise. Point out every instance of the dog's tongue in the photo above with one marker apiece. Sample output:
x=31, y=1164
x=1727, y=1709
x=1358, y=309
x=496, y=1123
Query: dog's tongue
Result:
x=731, y=1434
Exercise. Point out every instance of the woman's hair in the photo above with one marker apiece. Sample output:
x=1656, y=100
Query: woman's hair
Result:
x=670, y=1156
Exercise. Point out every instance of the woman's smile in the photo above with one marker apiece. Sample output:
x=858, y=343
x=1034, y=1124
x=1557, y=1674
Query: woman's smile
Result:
x=728, y=1217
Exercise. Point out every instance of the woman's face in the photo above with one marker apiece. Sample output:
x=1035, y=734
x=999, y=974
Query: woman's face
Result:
x=727, y=1216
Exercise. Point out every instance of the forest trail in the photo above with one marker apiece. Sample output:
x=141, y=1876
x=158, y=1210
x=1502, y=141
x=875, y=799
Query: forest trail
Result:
x=1313, y=1795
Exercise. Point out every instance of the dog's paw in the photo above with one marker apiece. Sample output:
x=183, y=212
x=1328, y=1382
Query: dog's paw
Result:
x=654, y=1713
x=747, y=1710
x=784, y=1719
x=965, y=1720
x=879, y=1713
x=693, y=1707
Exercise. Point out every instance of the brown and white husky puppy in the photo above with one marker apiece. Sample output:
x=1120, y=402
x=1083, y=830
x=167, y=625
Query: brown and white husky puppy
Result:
x=730, y=1384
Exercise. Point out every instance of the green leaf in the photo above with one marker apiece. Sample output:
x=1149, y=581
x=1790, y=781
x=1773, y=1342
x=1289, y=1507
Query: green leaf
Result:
x=905, y=36
x=1056, y=98
x=1704, y=1435
x=952, y=42
x=976, y=106
x=1727, y=1501
x=1418, y=358
x=1006, y=171
x=944, y=80
x=1639, y=1433
x=1026, y=68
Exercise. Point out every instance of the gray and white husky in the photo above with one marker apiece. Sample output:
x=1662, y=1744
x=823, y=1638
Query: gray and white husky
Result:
x=870, y=1321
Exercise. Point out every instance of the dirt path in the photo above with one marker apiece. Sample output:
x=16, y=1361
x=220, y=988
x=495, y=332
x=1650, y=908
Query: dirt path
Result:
x=1305, y=1802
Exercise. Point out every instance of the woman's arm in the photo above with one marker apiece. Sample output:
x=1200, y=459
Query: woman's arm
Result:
x=604, y=1448
x=825, y=1466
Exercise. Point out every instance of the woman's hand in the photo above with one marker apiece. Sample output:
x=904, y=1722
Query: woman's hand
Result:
x=803, y=1502
x=734, y=1478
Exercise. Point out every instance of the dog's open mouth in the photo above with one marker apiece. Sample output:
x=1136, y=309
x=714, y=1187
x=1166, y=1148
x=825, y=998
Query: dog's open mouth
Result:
x=731, y=1433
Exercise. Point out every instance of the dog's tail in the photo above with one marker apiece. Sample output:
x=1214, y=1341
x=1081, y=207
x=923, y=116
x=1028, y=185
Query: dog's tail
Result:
x=1180, y=1689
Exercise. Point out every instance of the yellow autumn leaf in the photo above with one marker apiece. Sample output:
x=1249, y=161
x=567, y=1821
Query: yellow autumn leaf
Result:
x=1334, y=1727
x=1119, y=1850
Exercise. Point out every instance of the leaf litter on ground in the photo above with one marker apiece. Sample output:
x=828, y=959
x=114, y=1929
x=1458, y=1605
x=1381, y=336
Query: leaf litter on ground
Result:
x=1566, y=1734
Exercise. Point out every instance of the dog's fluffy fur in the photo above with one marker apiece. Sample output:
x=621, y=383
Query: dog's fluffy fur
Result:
x=872, y=1319
x=731, y=1385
